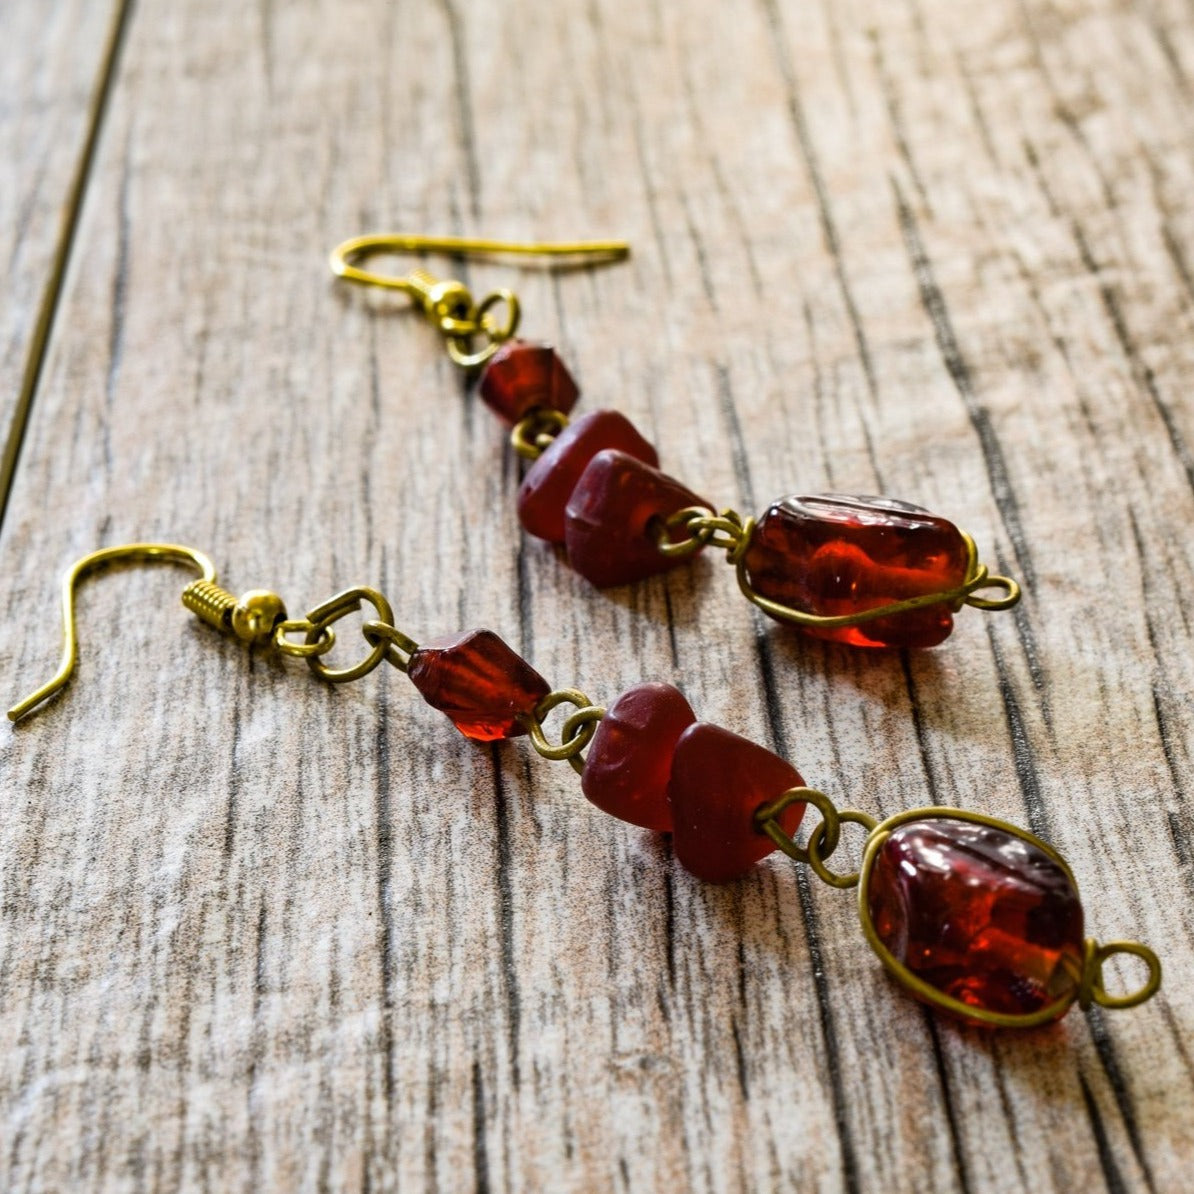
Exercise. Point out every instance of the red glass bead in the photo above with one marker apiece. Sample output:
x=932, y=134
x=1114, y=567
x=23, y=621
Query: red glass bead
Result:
x=479, y=682
x=608, y=523
x=521, y=376
x=549, y=482
x=718, y=781
x=833, y=554
x=629, y=761
x=979, y=913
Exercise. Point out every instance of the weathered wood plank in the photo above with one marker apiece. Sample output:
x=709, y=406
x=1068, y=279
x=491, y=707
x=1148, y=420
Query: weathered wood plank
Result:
x=259, y=934
x=56, y=62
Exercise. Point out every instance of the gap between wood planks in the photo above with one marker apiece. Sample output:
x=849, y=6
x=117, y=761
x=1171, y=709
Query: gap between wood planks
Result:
x=68, y=224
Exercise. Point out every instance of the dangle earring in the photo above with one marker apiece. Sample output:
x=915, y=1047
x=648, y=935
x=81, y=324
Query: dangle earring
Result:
x=868, y=571
x=972, y=915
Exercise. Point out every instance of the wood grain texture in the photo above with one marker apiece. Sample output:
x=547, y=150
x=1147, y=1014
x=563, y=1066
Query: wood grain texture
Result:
x=55, y=62
x=258, y=934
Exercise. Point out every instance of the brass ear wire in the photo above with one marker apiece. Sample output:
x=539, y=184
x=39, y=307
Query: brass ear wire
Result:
x=251, y=618
x=257, y=617
x=449, y=305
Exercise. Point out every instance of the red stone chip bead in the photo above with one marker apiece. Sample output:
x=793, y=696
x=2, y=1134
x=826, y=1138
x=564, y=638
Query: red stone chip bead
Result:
x=718, y=781
x=549, y=482
x=610, y=519
x=629, y=761
x=521, y=376
x=832, y=554
x=479, y=682
x=979, y=913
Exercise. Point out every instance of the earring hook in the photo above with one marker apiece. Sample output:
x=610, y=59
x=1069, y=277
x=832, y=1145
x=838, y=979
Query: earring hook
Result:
x=449, y=305
x=151, y=552
x=357, y=248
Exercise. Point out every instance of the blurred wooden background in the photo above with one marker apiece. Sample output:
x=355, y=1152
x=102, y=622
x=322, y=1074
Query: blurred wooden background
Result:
x=256, y=934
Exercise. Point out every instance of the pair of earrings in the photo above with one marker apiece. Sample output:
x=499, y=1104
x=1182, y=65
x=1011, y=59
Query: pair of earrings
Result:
x=973, y=915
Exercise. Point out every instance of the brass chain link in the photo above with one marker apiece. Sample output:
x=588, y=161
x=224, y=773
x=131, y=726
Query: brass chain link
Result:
x=467, y=321
x=704, y=528
x=533, y=433
x=816, y=856
x=822, y=841
x=576, y=732
x=387, y=643
x=322, y=642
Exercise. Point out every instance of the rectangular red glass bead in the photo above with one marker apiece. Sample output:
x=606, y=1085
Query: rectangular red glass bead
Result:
x=833, y=554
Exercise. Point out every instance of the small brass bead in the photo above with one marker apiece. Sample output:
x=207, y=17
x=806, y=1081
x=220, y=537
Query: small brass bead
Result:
x=449, y=300
x=256, y=614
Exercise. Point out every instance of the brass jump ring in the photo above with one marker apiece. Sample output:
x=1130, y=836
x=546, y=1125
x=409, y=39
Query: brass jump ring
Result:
x=767, y=821
x=575, y=734
x=398, y=644
x=340, y=606
x=321, y=644
x=816, y=859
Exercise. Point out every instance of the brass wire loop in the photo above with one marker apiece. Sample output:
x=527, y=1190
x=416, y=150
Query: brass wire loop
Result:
x=324, y=638
x=824, y=838
x=534, y=433
x=576, y=732
x=705, y=529
x=399, y=647
x=817, y=855
x=1092, y=989
x=767, y=821
x=449, y=305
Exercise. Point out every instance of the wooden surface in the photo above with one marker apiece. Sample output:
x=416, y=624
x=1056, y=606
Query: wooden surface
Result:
x=55, y=63
x=256, y=934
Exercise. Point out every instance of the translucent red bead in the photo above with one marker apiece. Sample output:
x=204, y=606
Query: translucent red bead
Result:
x=978, y=913
x=479, y=682
x=629, y=761
x=521, y=376
x=612, y=514
x=718, y=781
x=833, y=554
x=549, y=482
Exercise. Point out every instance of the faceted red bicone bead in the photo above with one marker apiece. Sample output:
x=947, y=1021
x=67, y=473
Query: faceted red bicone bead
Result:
x=979, y=913
x=629, y=761
x=521, y=376
x=608, y=523
x=718, y=781
x=479, y=682
x=833, y=554
x=549, y=482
